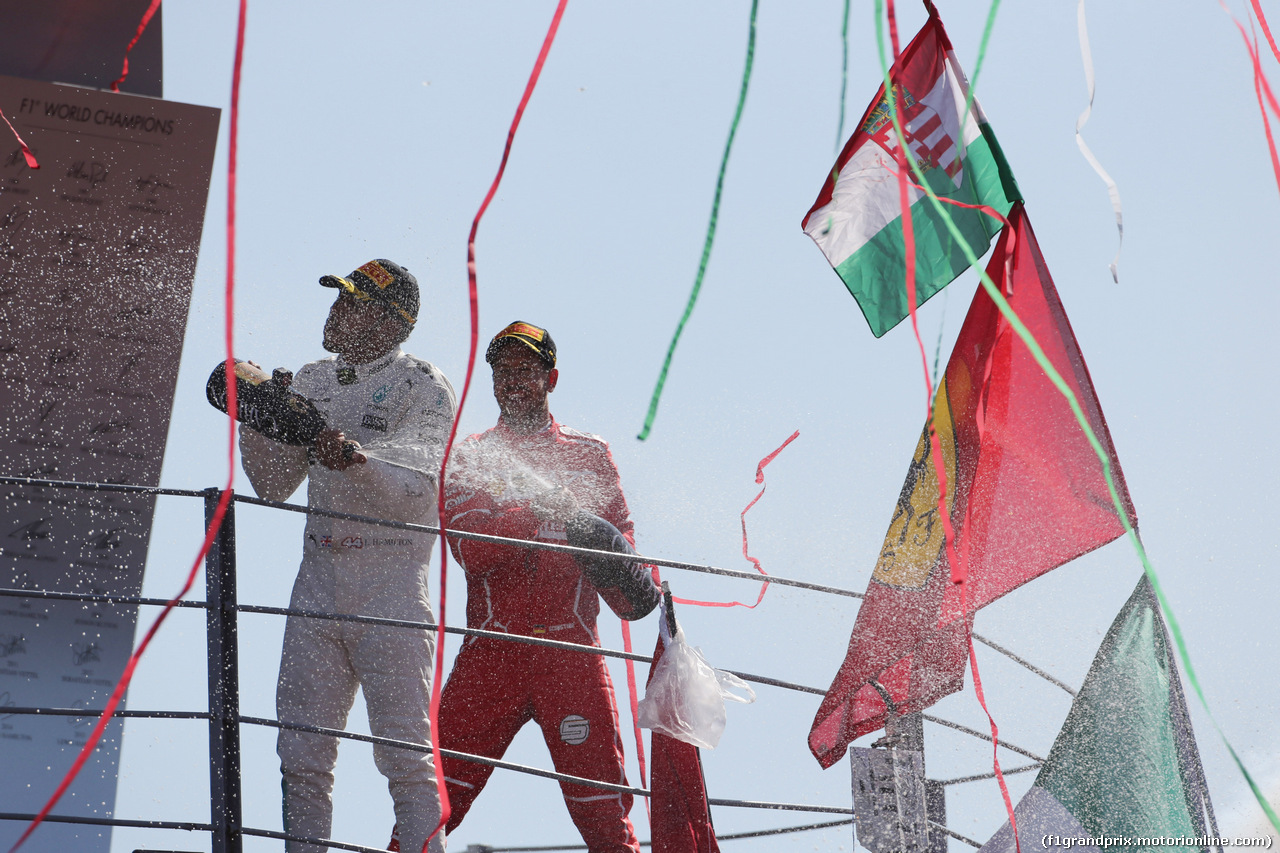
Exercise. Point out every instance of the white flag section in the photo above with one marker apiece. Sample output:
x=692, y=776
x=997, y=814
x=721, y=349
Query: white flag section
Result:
x=866, y=196
x=97, y=257
x=1042, y=821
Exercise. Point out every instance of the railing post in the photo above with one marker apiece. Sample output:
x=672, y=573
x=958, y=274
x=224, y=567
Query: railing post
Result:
x=224, y=680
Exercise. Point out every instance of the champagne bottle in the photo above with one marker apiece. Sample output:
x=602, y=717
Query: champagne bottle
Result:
x=265, y=404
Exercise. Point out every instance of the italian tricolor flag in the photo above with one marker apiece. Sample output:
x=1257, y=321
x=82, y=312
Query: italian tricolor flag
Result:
x=1124, y=771
x=857, y=219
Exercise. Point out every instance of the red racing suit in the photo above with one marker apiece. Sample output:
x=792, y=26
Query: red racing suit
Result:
x=497, y=686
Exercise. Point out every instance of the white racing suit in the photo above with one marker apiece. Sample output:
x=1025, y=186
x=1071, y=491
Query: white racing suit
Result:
x=400, y=409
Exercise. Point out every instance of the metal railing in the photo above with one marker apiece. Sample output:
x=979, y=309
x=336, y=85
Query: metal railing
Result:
x=222, y=609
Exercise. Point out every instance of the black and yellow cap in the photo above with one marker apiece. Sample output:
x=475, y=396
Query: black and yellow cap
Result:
x=534, y=337
x=381, y=281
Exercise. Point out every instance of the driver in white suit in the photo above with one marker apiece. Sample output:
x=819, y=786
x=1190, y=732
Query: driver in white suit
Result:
x=388, y=415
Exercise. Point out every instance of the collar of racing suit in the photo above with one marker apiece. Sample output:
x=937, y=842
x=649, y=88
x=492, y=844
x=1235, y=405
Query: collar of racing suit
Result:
x=369, y=367
x=508, y=434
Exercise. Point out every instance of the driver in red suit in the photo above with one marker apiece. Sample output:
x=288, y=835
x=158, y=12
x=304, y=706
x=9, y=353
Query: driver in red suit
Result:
x=529, y=478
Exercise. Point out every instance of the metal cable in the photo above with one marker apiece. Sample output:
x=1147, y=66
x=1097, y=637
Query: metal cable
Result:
x=622, y=789
x=360, y=848
x=546, y=848
x=974, y=844
x=786, y=807
x=89, y=712
x=1037, y=670
x=760, y=833
x=284, y=836
x=732, y=837
x=469, y=632
x=100, y=487
x=108, y=821
x=982, y=736
x=572, y=550
x=105, y=599
x=532, y=771
x=448, y=753
x=549, y=546
x=980, y=776
x=466, y=632
x=431, y=626
x=514, y=638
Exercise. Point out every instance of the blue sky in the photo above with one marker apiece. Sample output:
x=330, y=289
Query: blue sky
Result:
x=374, y=131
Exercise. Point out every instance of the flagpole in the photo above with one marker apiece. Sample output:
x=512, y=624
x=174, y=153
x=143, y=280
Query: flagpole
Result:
x=906, y=824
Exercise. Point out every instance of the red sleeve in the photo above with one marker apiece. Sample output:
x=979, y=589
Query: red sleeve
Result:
x=615, y=507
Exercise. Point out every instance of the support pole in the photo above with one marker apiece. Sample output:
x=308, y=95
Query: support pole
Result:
x=896, y=808
x=910, y=732
x=224, y=680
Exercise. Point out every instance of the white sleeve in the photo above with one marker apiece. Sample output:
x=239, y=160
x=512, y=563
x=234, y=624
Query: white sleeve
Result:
x=275, y=469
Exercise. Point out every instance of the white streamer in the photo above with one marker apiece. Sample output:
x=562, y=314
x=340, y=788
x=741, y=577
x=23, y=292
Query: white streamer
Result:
x=1112, y=190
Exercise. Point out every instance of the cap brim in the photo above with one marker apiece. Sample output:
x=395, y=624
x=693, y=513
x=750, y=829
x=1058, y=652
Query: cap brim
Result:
x=338, y=282
x=346, y=285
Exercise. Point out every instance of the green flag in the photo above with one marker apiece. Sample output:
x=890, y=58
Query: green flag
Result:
x=1124, y=770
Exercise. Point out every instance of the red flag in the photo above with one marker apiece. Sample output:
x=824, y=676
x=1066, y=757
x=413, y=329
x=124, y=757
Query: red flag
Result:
x=1025, y=494
x=680, y=819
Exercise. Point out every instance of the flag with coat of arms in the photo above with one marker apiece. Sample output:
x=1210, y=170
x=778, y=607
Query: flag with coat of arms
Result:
x=857, y=219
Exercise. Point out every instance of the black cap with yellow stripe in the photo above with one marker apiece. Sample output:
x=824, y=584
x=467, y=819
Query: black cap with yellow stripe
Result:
x=381, y=281
x=534, y=337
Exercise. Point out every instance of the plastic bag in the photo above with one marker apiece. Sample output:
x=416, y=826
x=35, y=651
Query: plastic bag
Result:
x=685, y=696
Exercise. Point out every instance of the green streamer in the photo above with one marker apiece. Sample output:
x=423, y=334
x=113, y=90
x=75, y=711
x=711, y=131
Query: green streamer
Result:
x=844, y=74
x=711, y=231
x=1051, y=372
x=942, y=327
x=982, y=54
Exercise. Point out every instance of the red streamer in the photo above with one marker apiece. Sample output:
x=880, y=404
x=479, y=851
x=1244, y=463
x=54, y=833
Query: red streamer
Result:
x=995, y=747
x=981, y=208
x=634, y=695
x=466, y=387
x=959, y=568
x=224, y=499
x=764, y=586
x=26, y=152
x=1263, y=89
x=146, y=19
x=1262, y=19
